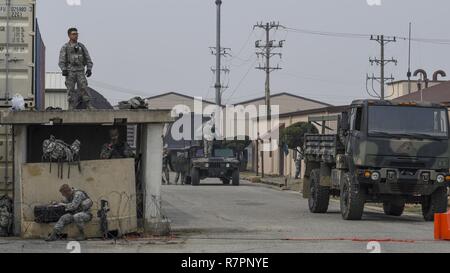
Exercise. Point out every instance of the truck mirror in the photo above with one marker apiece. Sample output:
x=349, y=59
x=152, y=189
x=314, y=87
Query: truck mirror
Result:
x=344, y=122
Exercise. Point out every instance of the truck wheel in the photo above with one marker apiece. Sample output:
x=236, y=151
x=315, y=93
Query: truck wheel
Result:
x=436, y=203
x=352, y=199
x=195, y=177
x=394, y=208
x=235, y=177
x=225, y=181
x=319, y=197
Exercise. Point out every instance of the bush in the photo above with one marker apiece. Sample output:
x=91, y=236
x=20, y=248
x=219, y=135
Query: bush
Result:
x=294, y=135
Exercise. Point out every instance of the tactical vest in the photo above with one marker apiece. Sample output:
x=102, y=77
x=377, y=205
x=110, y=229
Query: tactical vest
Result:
x=83, y=54
x=86, y=204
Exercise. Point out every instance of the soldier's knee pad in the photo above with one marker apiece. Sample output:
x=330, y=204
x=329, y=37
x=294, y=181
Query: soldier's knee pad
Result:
x=78, y=218
x=67, y=218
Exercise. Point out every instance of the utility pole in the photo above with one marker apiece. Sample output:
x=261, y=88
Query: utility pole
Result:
x=409, y=73
x=266, y=51
x=382, y=40
x=218, y=51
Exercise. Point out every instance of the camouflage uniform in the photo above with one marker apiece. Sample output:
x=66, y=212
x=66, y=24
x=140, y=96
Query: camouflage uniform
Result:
x=166, y=175
x=114, y=151
x=298, y=165
x=74, y=58
x=78, y=208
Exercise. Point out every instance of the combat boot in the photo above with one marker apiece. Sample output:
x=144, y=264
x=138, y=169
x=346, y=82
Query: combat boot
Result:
x=54, y=236
x=81, y=235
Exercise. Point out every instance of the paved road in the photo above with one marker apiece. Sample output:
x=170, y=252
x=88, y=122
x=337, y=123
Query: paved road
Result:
x=257, y=218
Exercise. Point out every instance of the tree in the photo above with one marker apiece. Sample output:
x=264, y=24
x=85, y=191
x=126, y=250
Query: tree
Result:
x=237, y=145
x=294, y=135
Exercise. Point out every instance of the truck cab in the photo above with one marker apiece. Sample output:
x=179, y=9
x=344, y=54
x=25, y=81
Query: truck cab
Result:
x=383, y=152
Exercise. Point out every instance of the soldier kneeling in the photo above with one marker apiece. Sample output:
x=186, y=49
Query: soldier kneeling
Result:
x=78, y=205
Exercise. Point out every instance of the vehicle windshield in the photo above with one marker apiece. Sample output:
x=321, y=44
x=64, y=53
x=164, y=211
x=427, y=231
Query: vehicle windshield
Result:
x=223, y=153
x=408, y=121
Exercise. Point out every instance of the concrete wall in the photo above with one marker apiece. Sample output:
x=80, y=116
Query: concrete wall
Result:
x=111, y=180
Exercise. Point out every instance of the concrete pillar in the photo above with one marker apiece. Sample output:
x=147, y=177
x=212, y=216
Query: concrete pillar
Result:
x=20, y=153
x=154, y=222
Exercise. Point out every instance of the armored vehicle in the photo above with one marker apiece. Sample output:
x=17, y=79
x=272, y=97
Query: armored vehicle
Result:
x=196, y=160
x=383, y=152
x=222, y=163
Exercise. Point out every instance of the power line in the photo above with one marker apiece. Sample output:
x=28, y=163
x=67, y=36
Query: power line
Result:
x=438, y=41
x=383, y=41
x=243, y=46
x=119, y=89
x=242, y=80
x=328, y=33
x=266, y=52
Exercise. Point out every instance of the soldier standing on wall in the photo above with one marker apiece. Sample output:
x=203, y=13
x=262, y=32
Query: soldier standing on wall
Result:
x=73, y=59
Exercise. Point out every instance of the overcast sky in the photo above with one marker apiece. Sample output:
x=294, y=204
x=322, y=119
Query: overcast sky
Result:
x=147, y=47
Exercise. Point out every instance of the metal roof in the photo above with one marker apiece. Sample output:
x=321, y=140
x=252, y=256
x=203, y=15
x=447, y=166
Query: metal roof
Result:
x=55, y=81
x=437, y=94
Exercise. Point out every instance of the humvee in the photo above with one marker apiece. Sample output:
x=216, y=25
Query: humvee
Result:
x=221, y=164
x=189, y=158
x=383, y=152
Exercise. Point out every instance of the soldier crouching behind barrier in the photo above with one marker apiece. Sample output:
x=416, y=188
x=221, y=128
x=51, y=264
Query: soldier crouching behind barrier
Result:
x=73, y=59
x=116, y=149
x=78, y=205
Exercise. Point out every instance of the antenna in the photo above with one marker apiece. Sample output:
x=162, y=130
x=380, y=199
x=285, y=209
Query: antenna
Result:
x=409, y=61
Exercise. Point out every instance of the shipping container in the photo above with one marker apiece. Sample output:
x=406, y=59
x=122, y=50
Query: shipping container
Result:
x=39, y=88
x=18, y=54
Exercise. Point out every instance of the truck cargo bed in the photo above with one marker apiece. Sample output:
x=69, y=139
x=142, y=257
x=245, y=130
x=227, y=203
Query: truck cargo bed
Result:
x=321, y=148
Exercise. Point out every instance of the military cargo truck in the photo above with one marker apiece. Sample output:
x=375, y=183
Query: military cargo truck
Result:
x=382, y=152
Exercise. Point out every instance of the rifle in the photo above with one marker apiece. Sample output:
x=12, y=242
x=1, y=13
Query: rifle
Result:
x=103, y=215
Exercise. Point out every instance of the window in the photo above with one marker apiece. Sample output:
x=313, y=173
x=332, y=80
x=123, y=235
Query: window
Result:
x=356, y=119
x=410, y=121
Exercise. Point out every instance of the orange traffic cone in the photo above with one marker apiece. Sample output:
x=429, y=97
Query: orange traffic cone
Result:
x=442, y=226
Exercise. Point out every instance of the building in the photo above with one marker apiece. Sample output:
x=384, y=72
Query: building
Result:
x=401, y=88
x=438, y=93
x=292, y=108
x=287, y=102
x=277, y=162
x=167, y=101
x=405, y=87
x=56, y=93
